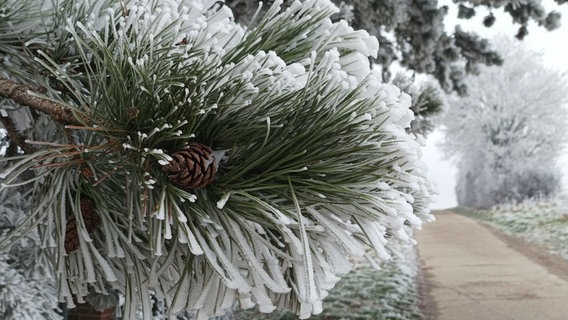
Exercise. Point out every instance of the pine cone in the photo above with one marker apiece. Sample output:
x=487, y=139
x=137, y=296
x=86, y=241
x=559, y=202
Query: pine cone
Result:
x=91, y=220
x=192, y=167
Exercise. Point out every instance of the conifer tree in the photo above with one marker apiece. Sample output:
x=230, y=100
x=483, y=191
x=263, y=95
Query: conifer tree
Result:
x=427, y=100
x=411, y=32
x=167, y=149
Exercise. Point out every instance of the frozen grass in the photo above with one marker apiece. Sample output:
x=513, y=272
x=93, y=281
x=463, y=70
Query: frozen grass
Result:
x=542, y=223
x=366, y=294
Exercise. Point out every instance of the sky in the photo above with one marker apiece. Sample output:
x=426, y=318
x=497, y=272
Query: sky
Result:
x=553, y=45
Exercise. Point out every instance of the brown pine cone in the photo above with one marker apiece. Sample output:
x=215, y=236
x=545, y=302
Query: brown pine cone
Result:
x=192, y=167
x=91, y=220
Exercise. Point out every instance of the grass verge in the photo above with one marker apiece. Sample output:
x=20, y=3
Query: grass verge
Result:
x=542, y=223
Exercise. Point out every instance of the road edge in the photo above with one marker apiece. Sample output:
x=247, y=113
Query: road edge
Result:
x=427, y=305
x=536, y=253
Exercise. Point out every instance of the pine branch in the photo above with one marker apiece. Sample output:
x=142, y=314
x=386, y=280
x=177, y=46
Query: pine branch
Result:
x=22, y=95
x=16, y=136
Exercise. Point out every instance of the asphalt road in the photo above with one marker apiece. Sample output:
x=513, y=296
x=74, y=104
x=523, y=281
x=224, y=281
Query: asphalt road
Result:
x=473, y=274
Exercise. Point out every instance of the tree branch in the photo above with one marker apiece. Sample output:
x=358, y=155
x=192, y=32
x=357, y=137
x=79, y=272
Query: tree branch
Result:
x=22, y=95
x=17, y=137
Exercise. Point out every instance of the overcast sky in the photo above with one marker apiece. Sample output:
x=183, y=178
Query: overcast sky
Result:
x=553, y=44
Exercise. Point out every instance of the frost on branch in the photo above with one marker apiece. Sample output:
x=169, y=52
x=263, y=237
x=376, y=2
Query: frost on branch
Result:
x=313, y=163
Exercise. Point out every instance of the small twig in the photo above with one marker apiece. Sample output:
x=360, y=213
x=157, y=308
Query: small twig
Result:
x=16, y=136
x=23, y=95
x=106, y=176
x=53, y=144
x=93, y=128
x=58, y=164
x=125, y=12
x=70, y=154
x=70, y=137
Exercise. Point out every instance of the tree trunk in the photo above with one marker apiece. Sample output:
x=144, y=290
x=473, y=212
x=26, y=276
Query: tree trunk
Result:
x=87, y=312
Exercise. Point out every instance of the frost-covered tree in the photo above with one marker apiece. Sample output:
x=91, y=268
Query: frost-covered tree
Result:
x=427, y=100
x=164, y=148
x=411, y=32
x=507, y=134
x=27, y=291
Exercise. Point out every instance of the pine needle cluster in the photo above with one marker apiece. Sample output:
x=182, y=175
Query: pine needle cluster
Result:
x=313, y=162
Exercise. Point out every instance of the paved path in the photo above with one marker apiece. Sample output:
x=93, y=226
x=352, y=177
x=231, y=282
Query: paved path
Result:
x=473, y=275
